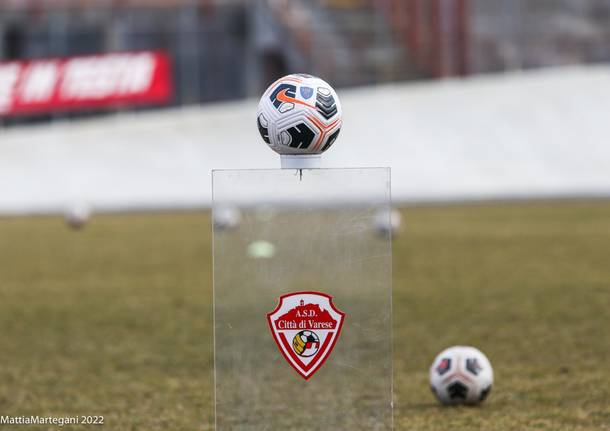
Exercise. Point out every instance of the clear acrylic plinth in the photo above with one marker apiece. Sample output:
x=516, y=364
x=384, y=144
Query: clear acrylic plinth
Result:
x=277, y=232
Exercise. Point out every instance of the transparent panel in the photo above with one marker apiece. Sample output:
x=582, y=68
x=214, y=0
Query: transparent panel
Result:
x=302, y=299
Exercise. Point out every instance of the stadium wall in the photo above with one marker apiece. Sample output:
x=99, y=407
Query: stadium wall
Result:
x=532, y=134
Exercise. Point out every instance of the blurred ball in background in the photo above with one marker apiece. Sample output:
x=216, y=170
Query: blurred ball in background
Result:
x=226, y=218
x=387, y=221
x=77, y=215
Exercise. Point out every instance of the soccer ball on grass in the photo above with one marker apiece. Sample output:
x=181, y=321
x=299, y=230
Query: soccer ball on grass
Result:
x=461, y=375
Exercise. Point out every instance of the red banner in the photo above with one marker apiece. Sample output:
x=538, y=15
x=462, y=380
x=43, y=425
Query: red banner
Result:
x=120, y=79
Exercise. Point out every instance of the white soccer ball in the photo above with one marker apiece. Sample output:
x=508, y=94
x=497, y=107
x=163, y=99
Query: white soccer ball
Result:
x=299, y=114
x=77, y=215
x=387, y=222
x=461, y=375
x=226, y=217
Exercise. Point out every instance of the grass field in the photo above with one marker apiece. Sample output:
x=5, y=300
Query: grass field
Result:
x=115, y=320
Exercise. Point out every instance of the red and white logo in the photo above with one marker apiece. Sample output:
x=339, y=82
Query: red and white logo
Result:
x=306, y=327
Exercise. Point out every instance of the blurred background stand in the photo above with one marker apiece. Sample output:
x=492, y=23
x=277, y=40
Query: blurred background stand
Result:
x=425, y=84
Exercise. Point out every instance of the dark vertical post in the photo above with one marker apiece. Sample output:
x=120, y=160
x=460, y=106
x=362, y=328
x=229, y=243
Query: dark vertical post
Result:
x=435, y=39
x=462, y=23
x=413, y=38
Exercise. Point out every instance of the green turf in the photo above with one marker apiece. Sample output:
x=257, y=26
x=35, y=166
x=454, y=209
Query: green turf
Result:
x=115, y=320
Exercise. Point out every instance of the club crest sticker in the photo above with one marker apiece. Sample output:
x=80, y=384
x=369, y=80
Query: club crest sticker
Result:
x=306, y=92
x=306, y=327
